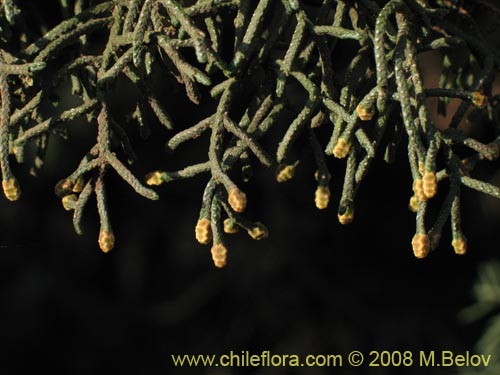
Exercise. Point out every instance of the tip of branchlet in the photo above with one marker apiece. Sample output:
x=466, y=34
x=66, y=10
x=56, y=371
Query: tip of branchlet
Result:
x=429, y=184
x=155, y=178
x=18, y=153
x=69, y=202
x=459, y=244
x=421, y=245
x=495, y=150
x=79, y=185
x=285, y=173
x=259, y=231
x=478, y=99
x=203, y=231
x=219, y=255
x=106, y=240
x=27, y=80
x=322, y=197
x=365, y=114
x=347, y=217
x=37, y=66
x=318, y=176
x=11, y=189
x=413, y=204
x=341, y=149
x=237, y=200
x=230, y=226
x=418, y=190
x=64, y=187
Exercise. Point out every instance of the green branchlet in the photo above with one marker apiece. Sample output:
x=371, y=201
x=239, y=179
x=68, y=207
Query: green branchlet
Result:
x=282, y=54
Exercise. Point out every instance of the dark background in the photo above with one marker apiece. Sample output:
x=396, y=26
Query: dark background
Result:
x=312, y=287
